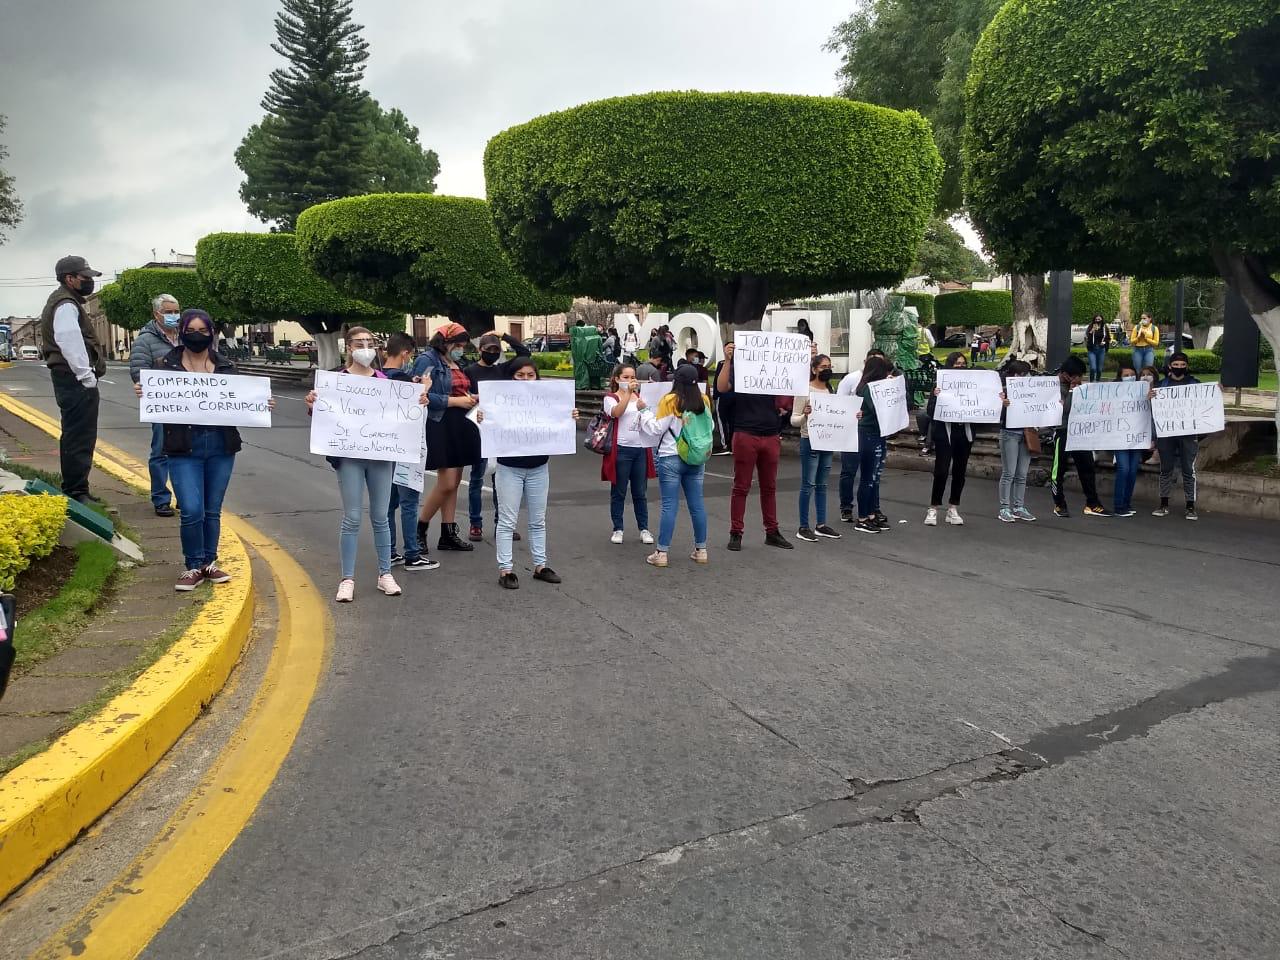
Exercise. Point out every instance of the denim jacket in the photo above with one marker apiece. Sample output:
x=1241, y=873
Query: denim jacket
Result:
x=435, y=372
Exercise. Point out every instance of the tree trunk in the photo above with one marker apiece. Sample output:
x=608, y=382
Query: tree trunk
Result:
x=325, y=333
x=1030, y=319
x=476, y=322
x=1248, y=276
x=742, y=299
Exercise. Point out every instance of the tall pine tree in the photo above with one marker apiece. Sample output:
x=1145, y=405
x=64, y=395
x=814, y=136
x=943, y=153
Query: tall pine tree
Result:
x=314, y=144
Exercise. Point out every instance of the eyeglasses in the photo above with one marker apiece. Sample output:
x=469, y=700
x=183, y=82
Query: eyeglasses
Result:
x=363, y=343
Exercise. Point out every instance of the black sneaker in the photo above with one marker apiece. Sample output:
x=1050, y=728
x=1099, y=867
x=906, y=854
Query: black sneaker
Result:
x=508, y=581
x=867, y=526
x=546, y=575
x=1061, y=512
x=807, y=535
x=1191, y=514
x=397, y=559
x=164, y=510
x=421, y=563
x=881, y=520
x=823, y=530
x=776, y=539
x=846, y=516
x=735, y=542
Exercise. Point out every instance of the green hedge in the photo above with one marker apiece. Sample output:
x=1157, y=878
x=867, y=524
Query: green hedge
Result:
x=1202, y=301
x=653, y=197
x=29, y=530
x=262, y=275
x=1198, y=361
x=420, y=253
x=1266, y=356
x=551, y=359
x=974, y=308
x=127, y=302
x=923, y=302
x=1090, y=298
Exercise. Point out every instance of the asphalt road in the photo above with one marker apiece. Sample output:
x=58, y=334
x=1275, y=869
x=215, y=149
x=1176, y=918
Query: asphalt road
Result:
x=1038, y=740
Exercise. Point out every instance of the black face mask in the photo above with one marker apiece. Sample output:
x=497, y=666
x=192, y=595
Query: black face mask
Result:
x=824, y=375
x=1177, y=372
x=86, y=286
x=196, y=342
x=491, y=356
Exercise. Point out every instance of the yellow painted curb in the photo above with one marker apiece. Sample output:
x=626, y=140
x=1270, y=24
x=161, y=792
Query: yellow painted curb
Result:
x=47, y=801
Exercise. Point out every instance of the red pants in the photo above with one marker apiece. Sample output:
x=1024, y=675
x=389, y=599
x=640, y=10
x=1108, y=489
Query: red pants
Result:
x=751, y=454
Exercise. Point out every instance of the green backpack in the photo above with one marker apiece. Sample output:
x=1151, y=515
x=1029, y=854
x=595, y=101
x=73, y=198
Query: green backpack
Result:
x=696, y=438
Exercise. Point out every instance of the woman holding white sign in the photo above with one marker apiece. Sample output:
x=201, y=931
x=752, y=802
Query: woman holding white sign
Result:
x=630, y=461
x=1127, y=461
x=1015, y=456
x=355, y=476
x=527, y=480
x=952, y=443
x=201, y=458
x=815, y=465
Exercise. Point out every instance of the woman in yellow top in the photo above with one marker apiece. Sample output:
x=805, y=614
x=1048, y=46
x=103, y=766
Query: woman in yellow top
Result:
x=1144, y=338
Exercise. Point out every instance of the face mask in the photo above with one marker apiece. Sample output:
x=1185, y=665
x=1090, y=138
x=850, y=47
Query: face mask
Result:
x=491, y=356
x=456, y=353
x=1128, y=379
x=86, y=286
x=1147, y=379
x=196, y=341
x=824, y=375
x=171, y=320
x=365, y=356
x=1177, y=372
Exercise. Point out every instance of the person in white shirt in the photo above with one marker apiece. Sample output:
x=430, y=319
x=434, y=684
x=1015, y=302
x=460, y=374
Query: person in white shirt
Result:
x=630, y=344
x=630, y=462
x=75, y=360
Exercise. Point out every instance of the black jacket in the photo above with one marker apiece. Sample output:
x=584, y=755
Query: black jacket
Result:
x=177, y=436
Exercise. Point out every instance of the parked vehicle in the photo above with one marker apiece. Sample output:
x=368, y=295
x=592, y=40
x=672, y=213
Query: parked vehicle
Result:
x=956, y=340
x=28, y=352
x=548, y=343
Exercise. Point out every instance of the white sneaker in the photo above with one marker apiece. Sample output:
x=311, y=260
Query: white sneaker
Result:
x=954, y=518
x=387, y=584
x=616, y=537
x=931, y=518
x=646, y=536
x=346, y=591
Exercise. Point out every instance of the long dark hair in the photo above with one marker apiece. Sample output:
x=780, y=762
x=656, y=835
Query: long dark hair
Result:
x=688, y=397
x=876, y=368
x=519, y=363
x=952, y=358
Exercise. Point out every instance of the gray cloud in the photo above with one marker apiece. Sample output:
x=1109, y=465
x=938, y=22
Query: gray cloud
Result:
x=121, y=141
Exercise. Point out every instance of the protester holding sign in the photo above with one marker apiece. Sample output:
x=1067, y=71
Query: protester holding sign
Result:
x=629, y=462
x=200, y=456
x=490, y=366
x=1178, y=452
x=404, y=498
x=1127, y=461
x=1071, y=375
x=523, y=479
x=684, y=429
x=814, y=464
x=453, y=442
x=1016, y=447
x=356, y=474
x=757, y=446
x=872, y=447
x=952, y=442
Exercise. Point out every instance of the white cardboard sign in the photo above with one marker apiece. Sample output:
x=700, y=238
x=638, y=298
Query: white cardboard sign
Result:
x=890, y=400
x=968, y=396
x=366, y=418
x=204, y=399
x=1188, y=410
x=833, y=422
x=773, y=364
x=527, y=418
x=1110, y=416
x=412, y=474
x=1033, y=402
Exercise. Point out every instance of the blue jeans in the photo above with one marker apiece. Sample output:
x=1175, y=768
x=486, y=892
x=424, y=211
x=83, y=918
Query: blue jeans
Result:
x=1097, y=359
x=158, y=465
x=1143, y=357
x=675, y=475
x=1127, y=462
x=871, y=453
x=406, y=498
x=353, y=477
x=814, y=467
x=515, y=484
x=1015, y=460
x=200, y=481
x=633, y=470
x=475, y=495
x=848, y=478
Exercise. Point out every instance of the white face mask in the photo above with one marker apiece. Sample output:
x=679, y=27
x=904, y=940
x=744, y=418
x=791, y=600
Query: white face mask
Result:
x=365, y=356
x=1128, y=379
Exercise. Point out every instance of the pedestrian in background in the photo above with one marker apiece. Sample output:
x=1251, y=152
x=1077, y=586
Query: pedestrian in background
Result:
x=154, y=341
x=629, y=464
x=1097, y=339
x=1145, y=337
x=398, y=365
x=75, y=360
x=815, y=465
x=490, y=366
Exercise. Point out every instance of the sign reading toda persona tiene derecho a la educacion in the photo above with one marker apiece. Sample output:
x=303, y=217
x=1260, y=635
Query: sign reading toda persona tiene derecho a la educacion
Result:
x=775, y=364
x=204, y=399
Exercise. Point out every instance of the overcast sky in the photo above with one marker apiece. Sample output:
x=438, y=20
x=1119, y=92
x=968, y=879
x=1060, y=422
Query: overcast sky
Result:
x=123, y=116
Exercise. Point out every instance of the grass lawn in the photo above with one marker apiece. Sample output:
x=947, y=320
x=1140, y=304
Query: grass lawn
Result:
x=59, y=620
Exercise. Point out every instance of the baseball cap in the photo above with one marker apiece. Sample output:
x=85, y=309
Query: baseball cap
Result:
x=489, y=340
x=686, y=373
x=73, y=264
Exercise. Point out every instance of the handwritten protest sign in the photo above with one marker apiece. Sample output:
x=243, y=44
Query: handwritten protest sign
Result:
x=527, y=418
x=890, y=400
x=968, y=396
x=366, y=418
x=770, y=363
x=833, y=422
x=1188, y=410
x=652, y=393
x=412, y=473
x=1033, y=402
x=204, y=399
x=1110, y=416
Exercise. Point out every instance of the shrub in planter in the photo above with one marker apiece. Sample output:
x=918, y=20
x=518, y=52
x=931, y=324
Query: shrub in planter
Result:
x=29, y=530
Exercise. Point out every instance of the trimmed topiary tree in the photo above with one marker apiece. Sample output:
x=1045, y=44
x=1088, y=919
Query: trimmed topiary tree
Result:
x=261, y=275
x=1134, y=136
x=742, y=198
x=127, y=302
x=420, y=253
x=1090, y=298
x=974, y=308
x=923, y=302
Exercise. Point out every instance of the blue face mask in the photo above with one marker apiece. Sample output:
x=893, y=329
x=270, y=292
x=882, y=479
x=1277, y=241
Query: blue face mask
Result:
x=456, y=353
x=171, y=320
